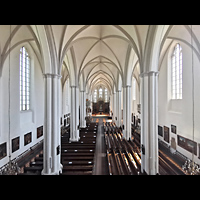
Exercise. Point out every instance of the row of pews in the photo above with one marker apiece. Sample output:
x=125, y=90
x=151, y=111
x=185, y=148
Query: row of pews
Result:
x=32, y=162
x=33, y=167
x=123, y=156
x=77, y=158
x=169, y=164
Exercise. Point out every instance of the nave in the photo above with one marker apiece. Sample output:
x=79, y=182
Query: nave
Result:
x=144, y=77
x=102, y=150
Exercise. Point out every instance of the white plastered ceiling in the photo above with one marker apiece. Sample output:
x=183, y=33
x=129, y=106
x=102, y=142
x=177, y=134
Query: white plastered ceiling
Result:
x=101, y=53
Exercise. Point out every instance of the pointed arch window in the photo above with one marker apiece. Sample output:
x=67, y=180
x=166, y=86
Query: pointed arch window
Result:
x=24, y=79
x=95, y=96
x=176, y=81
x=100, y=93
x=106, y=95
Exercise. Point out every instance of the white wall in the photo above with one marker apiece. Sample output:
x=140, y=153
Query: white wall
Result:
x=179, y=112
x=21, y=122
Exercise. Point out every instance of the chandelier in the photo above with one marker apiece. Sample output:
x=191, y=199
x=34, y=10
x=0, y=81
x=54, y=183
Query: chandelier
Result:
x=11, y=168
x=191, y=167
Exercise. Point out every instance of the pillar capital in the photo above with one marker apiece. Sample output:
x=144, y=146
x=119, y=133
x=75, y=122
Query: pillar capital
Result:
x=126, y=86
x=73, y=86
x=150, y=73
x=48, y=75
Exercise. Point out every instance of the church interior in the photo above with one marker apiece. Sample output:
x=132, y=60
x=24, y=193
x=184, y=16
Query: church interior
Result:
x=99, y=100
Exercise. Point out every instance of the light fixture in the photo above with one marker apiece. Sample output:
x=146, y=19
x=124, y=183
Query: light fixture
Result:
x=191, y=168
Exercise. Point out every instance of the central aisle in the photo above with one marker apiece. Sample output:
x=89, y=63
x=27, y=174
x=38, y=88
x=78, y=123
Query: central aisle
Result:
x=100, y=162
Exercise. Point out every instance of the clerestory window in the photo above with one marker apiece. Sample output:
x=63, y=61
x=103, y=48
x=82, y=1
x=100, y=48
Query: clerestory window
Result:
x=24, y=79
x=106, y=95
x=95, y=96
x=176, y=81
x=100, y=93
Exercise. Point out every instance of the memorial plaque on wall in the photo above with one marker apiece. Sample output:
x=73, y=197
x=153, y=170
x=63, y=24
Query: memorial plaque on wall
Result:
x=191, y=146
x=27, y=138
x=139, y=108
x=173, y=143
x=15, y=144
x=39, y=131
x=187, y=144
x=160, y=130
x=166, y=134
x=173, y=128
x=3, y=150
x=68, y=120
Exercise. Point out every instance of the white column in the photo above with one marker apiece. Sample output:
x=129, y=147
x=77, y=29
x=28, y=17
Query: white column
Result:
x=111, y=103
x=114, y=106
x=51, y=165
x=60, y=166
x=124, y=112
x=82, y=109
x=118, y=108
x=127, y=112
x=149, y=122
x=77, y=112
x=74, y=122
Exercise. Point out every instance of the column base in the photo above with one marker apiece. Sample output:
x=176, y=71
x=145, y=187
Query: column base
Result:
x=74, y=140
x=52, y=173
x=61, y=167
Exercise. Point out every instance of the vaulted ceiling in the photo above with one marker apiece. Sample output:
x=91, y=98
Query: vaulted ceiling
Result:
x=101, y=53
x=93, y=55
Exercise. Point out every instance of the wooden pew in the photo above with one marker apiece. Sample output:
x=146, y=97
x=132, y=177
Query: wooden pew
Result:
x=120, y=160
x=78, y=157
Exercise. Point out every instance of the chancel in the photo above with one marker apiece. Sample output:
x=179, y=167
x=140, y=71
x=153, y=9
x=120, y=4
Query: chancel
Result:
x=99, y=100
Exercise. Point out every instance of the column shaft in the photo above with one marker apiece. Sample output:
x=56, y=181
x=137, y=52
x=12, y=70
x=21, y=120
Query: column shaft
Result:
x=149, y=122
x=127, y=112
x=119, y=115
x=82, y=109
x=74, y=122
x=51, y=154
x=114, y=107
